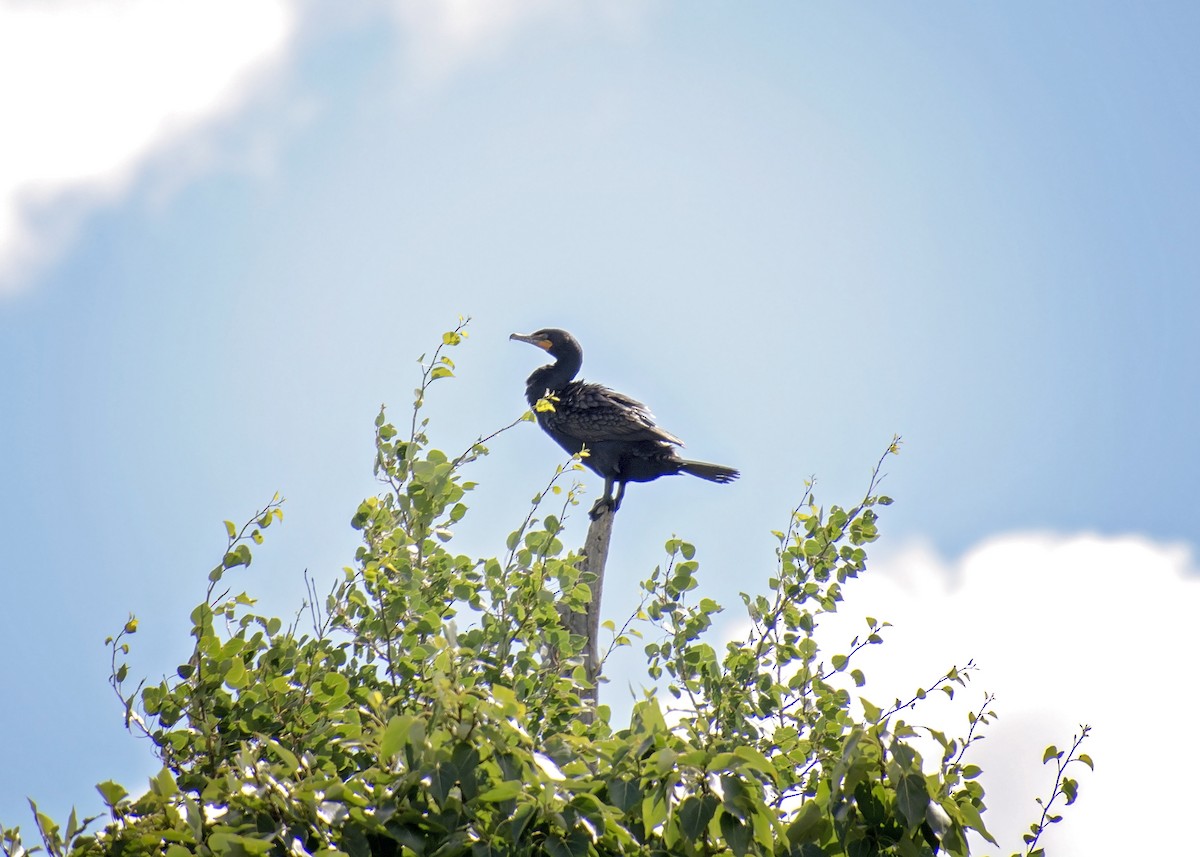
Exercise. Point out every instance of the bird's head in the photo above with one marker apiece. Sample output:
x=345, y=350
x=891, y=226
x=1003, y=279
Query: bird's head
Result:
x=558, y=343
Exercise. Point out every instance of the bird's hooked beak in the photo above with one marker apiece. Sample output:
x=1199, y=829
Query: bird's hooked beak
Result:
x=532, y=339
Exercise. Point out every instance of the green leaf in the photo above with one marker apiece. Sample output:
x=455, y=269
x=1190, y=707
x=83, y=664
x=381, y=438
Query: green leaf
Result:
x=1070, y=788
x=755, y=760
x=113, y=793
x=230, y=528
x=237, y=845
x=395, y=736
x=654, y=812
x=1051, y=752
x=663, y=761
x=335, y=684
x=235, y=675
x=624, y=794
x=737, y=835
x=649, y=716
x=240, y=555
x=556, y=846
x=285, y=755
x=694, y=815
x=974, y=820
x=807, y=825
x=954, y=843
x=72, y=826
x=163, y=783
x=506, y=698
x=912, y=797
x=507, y=790
x=444, y=777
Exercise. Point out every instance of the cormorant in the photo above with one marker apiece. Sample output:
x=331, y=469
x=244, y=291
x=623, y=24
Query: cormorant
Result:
x=623, y=443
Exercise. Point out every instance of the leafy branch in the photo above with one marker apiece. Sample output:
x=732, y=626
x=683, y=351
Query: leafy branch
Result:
x=976, y=718
x=1064, y=787
x=955, y=675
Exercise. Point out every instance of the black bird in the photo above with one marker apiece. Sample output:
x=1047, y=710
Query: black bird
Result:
x=623, y=443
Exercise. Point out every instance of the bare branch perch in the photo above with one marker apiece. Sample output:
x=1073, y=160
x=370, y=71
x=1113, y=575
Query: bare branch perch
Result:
x=587, y=624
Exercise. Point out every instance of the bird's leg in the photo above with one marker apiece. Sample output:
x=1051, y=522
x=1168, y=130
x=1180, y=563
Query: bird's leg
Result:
x=620, y=496
x=605, y=501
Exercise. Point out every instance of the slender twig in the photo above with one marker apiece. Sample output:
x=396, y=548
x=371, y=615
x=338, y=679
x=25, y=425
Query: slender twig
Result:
x=1060, y=787
x=980, y=717
x=857, y=647
x=426, y=379
x=115, y=682
x=951, y=675
x=633, y=617
x=471, y=452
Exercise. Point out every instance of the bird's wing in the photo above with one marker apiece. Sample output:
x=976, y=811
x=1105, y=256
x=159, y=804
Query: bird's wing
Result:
x=592, y=413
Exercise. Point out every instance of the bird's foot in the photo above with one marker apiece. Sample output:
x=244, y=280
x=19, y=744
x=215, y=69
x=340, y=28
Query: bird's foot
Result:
x=601, y=507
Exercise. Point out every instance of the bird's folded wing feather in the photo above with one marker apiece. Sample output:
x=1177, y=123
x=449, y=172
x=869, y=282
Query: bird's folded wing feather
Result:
x=593, y=413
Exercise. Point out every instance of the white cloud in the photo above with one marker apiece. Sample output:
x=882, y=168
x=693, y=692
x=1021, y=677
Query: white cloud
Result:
x=91, y=89
x=1065, y=629
x=94, y=91
x=445, y=35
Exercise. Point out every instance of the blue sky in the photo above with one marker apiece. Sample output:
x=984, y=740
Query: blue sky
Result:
x=228, y=229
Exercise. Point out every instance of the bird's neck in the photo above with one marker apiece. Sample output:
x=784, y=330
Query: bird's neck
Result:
x=552, y=378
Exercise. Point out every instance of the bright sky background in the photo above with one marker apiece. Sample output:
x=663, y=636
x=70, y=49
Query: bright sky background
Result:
x=228, y=228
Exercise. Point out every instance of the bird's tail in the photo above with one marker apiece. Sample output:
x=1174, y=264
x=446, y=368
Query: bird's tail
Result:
x=711, y=472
